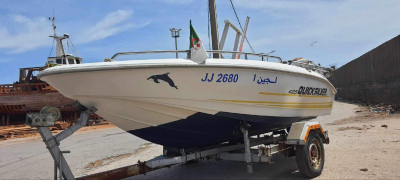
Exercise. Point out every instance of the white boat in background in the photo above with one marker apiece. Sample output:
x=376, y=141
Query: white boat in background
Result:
x=180, y=103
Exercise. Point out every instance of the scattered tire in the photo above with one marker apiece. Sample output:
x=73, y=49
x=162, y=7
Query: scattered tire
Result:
x=310, y=158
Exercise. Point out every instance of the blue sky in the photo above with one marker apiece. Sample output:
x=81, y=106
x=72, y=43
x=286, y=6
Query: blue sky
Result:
x=343, y=30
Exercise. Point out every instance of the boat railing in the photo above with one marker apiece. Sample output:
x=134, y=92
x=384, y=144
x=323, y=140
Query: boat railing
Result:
x=263, y=56
x=10, y=89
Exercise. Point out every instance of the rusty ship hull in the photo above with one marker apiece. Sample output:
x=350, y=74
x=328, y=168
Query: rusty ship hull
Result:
x=18, y=99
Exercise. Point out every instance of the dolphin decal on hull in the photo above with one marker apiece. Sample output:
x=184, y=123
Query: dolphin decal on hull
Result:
x=163, y=77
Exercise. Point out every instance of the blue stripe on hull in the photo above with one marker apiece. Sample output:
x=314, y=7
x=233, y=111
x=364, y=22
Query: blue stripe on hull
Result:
x=202, y=129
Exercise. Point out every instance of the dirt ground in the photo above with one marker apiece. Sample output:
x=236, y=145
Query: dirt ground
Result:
x=365, y=144
x=24, y=131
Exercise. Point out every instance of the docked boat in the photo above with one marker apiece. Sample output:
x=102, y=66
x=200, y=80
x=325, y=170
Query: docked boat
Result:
x=196, y=101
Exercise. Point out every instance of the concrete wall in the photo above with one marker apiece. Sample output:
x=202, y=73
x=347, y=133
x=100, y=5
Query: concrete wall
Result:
x=373, y=77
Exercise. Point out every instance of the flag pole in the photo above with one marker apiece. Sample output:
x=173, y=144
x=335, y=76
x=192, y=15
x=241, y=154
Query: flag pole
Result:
x=189, y=54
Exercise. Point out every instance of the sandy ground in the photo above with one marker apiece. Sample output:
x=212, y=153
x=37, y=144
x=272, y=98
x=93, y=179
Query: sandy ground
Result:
x=360, y=148
x=10, y=132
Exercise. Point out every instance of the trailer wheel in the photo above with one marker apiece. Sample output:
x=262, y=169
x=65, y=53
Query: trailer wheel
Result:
x=310, y=158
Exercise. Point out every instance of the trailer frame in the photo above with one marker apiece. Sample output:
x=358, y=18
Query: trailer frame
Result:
x=262, y=148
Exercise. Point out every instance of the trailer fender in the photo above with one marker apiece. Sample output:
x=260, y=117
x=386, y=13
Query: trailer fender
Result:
x=299, y=132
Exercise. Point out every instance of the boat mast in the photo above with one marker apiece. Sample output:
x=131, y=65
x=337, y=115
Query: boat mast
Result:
x=62, y=57
x=214, y=27
x=59, y=47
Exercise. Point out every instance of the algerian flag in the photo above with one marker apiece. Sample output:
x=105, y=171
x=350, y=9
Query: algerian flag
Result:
x=198, y=53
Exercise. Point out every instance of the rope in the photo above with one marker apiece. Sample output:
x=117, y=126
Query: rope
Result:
x=73, y=48
x=68, y=48
x=234, y=10
x=52, y=48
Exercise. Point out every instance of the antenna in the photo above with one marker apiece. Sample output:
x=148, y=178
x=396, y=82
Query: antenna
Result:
x=53, y=23
x=175, y=34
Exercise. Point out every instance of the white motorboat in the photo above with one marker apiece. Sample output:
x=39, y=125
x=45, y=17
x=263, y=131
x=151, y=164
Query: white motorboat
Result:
x=197, y=107
x=180, y=103
x=196, y=101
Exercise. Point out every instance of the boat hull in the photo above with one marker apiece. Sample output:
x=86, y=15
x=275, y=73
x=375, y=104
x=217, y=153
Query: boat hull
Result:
x=184, y=104
x=200, y=129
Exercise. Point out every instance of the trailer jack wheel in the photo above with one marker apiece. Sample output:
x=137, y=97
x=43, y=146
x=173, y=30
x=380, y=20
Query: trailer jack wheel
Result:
x=310, y=157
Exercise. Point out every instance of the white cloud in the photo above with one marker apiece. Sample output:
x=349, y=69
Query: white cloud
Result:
x=30, y=34
x=26, y=34
x=277, y=5
x=343, y=30
x=4, y=60
x=329, y=21
x=110, y=25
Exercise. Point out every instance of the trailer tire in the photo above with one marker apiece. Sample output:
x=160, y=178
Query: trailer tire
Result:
x=310, y=158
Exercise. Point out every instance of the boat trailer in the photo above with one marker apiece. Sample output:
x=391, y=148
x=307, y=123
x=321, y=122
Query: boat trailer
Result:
x=304, y=140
